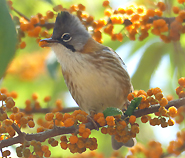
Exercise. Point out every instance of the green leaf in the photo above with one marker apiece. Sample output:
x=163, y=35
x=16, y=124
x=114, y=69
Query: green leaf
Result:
x=133, y=105
x=111, y=111
x=148, y=64
x=7, y=36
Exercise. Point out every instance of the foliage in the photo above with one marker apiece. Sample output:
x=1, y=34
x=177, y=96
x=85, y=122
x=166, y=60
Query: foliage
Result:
x=158, y=26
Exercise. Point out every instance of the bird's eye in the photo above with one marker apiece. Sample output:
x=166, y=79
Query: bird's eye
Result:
x=66, y=37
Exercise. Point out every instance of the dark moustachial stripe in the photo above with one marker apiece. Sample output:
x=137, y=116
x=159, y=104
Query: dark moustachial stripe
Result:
x=68, y=46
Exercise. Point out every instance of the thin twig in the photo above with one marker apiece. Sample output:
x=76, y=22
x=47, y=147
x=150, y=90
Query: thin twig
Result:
x=20, y=14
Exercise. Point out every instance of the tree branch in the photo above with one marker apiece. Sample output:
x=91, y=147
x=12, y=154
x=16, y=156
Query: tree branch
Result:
x=47, y=110
x=42, y=136
x=154, y=108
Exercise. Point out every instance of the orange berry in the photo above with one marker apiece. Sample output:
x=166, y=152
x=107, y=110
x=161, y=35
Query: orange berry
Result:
x=121, y=11
x=123, y=123
x=34, y=96
x=49, y=116
x=90, y=19
x=134, y=129
x=105, y=3
x=73, y=139
x=58, y=8
x=169, y=97
x=31, y=124
x=129, y=11
x=34, y=20
x=98, y=115
x=181, y=81
x=158, y=12
x=59, y=116
x=6, y=153
x=40, y=129
x=23, y=120
x=44, y=148
x=119, y=37
x=64, y=145
x=80, y=143
x=86, y=133
x=172, y=111
x=156, y=90
x=22, y=45
x=132, y=119
x=182, y=94
x=141, y=92
x=4, y=90
x=130, y=96
x=69, y=122
x=81, y=7
x=140, y=10
x=179, y=89
x=144, y=119
x=135, y=17
x=143, y=97
x=54, y=143
x=66, y=116
x=176, y=9
x=13, y=94
x=150, y=12
x=44, y=33
x=182, y=14
x=7, y=122
x=163, y=102
x=180, y=1
x=101, y=121
x=15, y=109
x=42, y=21
x=159, y=96
x=47, y=99
x=104, y=130
x=9, y=102
x=110, y=120
x=81, y=128
x=24, y=26
x=171, y=122
x=161, y=6
x=63, y=138
x=49, y=14
x=117, y=19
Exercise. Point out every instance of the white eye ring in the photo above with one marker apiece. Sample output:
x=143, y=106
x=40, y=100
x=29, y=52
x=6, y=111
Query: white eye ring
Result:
x=66, y=37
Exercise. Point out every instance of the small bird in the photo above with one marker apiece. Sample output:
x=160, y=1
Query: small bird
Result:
x=94, y=74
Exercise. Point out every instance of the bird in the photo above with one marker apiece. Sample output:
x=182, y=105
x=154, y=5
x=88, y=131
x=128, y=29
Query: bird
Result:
x=95, y=74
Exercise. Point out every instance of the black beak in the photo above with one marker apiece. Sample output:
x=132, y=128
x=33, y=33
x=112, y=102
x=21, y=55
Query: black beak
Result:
x=46, y=42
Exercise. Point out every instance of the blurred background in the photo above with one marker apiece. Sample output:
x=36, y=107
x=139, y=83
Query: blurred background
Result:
x=150, y=63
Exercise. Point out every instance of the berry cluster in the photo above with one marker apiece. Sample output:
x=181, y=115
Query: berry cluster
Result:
x=154, y=149
x=180, y=90
x=138, y=22
x=151, y=97
x=78, y=144
x=118, y=127
x=39, y=150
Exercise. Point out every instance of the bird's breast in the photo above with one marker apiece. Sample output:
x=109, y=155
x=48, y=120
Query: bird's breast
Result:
x=93, y=88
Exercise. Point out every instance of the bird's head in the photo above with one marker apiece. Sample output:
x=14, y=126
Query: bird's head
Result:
x=68, y=32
